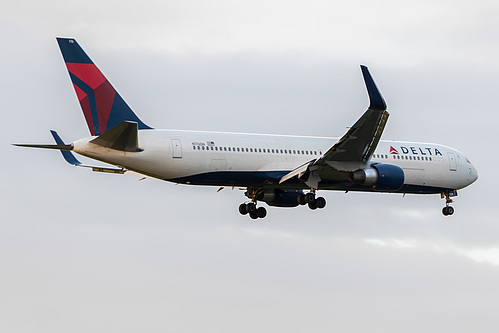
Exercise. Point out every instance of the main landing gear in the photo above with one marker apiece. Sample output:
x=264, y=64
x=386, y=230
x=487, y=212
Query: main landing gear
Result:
x=278, y=198
x=447, y=210
x=310, y=200
x=253, y=211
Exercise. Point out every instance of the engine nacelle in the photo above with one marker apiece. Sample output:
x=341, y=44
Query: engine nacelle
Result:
x=280, y=198
x=381, y=177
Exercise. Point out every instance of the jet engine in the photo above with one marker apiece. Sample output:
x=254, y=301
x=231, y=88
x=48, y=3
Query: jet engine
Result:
x=381, y=177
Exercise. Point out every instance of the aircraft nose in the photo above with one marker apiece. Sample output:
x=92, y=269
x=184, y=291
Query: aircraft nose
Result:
x=473, y=174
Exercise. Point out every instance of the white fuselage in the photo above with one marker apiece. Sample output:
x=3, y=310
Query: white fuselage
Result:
x=237, y=159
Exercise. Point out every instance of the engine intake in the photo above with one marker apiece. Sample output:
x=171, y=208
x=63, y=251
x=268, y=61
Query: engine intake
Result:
x=381, y=177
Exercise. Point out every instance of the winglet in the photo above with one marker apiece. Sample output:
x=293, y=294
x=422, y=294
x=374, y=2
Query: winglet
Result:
x=68, y=156
x=376, y=100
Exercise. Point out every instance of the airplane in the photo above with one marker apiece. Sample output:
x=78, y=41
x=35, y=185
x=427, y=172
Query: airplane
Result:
x=279, y=170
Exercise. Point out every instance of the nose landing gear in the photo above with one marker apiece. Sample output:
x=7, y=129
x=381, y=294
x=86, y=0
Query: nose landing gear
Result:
x=447, y=210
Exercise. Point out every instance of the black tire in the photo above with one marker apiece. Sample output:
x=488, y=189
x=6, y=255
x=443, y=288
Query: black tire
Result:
x=253, y=215
x=320, y=202
x=450, y=210
x=312, y=205
x=243, y=209
x=251, y=207
x=309, y=197
x=261, y=212
x=301, y=199
x=445, y=211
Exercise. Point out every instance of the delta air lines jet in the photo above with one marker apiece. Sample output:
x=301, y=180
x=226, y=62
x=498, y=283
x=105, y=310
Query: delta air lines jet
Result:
x=280, y=170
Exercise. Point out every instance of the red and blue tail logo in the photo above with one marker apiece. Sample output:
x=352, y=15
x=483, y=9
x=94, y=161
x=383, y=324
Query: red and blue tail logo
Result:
x=102, y=106
x=393, y=151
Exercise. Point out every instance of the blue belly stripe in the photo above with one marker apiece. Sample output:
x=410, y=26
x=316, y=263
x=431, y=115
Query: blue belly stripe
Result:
x=271, y=179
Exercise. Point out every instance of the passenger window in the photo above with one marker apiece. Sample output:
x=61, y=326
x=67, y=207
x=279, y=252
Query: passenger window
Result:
x=246, y=149
x=251, y=150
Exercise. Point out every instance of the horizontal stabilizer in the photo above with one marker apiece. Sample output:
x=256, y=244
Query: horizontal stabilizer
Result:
x=71, y=159
x=123, y=136
x=68, y=156
x=58, y=147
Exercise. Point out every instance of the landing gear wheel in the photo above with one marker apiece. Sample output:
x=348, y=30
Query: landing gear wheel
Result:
x=261, y=212
x=253, y=215
x=444, y=211
x=309, y=197
x=320, y=202
x=448, y=210
x=251, y=208
x=243, y=209
x=301, y=199
x=312, y=205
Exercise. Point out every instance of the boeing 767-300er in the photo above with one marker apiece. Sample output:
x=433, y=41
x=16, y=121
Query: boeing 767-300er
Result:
x=280, y=170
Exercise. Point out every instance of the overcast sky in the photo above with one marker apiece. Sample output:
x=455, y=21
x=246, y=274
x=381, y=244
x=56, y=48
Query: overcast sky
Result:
x=88, y=252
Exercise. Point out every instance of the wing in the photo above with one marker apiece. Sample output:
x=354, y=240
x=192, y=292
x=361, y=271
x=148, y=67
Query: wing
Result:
x=352, y=150
x=359, y=143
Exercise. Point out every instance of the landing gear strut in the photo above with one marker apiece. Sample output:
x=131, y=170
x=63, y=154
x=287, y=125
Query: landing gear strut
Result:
x=447, y=210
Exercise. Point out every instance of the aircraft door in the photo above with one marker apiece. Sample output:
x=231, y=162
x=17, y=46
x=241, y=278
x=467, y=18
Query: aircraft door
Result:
x=452, y=162
x=176, y=148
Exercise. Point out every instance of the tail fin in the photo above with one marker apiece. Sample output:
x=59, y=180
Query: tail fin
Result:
x=102, y=106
